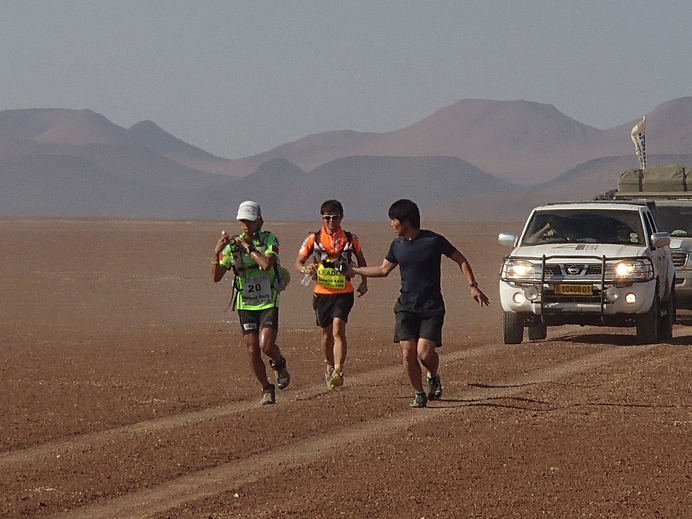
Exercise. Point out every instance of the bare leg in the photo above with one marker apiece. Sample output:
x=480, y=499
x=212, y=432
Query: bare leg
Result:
x=267, y=343
x=251, y=341
x=340, y=345
x=412, y=368
x=427, y=353
x=328, y=345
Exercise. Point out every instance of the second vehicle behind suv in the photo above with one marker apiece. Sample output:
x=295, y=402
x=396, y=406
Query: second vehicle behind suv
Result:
x=670, y=186
x=674, y=215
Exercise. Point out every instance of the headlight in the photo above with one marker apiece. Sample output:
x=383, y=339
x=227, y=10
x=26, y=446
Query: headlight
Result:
x=519, y=269
x=633, y=270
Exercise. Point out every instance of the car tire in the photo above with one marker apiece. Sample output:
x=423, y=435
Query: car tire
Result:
x=512, y=329
x=665, y=322
x=647, y=324
x=538, y=332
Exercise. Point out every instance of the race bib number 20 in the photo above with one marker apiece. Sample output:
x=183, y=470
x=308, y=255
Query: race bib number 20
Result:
x=257, y=290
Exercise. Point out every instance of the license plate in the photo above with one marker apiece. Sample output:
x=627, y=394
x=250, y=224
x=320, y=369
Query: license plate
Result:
x=574, y=290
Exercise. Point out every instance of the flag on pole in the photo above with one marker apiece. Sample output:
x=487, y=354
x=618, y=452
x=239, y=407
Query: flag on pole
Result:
x=639, y=140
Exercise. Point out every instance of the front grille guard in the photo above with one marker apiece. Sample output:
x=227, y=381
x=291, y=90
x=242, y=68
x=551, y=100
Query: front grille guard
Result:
x=603, y=261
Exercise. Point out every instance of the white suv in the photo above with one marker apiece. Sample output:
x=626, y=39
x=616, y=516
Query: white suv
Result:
x=588, y=263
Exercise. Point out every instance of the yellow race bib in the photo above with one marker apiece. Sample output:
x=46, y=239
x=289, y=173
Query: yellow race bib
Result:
x=328, y=277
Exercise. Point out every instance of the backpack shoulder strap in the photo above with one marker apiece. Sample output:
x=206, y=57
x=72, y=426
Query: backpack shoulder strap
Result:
x=317, y=241
x=277, y=273
x=317, y=245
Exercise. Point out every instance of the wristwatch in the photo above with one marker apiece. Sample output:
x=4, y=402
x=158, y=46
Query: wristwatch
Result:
x=473, y=285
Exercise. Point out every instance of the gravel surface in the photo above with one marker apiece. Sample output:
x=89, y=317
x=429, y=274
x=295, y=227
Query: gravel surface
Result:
x=126, y=393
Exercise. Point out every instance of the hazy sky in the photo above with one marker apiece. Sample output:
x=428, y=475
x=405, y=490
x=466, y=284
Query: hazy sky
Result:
x=238, y=78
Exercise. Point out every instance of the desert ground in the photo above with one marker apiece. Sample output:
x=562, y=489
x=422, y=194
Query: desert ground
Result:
x=126, y=393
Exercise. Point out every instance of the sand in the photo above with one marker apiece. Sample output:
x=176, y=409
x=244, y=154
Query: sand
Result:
x=126, y=393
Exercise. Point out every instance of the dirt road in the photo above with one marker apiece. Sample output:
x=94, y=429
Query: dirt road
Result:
x=126, y=394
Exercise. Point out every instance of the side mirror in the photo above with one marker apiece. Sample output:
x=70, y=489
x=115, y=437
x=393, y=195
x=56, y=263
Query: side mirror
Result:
x=660, y=239
x=507, y=239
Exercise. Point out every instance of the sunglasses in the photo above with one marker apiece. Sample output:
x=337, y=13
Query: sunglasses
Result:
x=330, y=217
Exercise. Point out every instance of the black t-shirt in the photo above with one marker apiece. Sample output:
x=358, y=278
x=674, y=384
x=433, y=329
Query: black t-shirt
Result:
x=419, y=263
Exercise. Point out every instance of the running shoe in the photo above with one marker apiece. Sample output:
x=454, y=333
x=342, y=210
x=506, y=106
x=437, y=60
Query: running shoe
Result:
x=268, y=395
x=336, y=379
x=420, y=400
x=434, y=388
x=283, y=377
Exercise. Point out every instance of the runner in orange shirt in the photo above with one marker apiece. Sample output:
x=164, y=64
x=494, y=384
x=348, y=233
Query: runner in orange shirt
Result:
x=332, y=249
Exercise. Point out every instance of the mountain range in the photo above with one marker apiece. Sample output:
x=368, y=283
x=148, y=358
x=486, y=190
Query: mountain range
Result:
x=473, y=160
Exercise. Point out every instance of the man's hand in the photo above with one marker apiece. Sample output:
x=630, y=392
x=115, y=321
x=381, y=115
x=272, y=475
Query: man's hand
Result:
x=243, y=242
x=479, y=296
x=350, y=273
x=362, y=288
x=221, y=244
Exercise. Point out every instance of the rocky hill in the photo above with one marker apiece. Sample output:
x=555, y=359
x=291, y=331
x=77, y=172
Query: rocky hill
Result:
x=473, y=160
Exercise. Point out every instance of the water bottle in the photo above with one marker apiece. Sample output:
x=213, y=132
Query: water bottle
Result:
x=305, y=280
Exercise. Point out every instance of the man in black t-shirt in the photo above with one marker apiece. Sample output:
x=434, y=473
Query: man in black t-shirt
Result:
x=420, y=309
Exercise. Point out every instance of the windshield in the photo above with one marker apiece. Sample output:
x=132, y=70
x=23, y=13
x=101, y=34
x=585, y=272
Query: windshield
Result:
x=675, y=220
x=562, y=226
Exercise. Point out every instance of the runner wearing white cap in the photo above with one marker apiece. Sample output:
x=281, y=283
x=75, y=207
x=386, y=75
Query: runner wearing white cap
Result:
x=253, y=256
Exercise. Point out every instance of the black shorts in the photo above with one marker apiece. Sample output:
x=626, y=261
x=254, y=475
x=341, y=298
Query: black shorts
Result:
x=413, y=323
x=251, y=321
x=329, y=306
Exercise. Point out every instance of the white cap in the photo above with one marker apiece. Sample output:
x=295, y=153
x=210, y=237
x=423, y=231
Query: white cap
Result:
x=249, y=210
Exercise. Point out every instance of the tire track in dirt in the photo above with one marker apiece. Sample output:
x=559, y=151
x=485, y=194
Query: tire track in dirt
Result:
x=86, y=442
x=221, y=479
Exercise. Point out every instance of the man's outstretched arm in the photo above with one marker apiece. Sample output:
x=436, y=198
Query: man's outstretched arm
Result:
x=467, y=272
x=372, y=272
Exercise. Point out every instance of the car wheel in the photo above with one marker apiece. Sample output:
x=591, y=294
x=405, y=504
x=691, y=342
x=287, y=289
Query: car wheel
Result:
x=665, y=322
x=647, y=325
x=512, y=329
x=538, y=332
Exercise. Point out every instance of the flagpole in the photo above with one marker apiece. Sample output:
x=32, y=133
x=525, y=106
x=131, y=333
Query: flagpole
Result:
x=639, y=139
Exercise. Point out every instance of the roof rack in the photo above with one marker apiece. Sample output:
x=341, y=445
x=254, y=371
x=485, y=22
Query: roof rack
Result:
x=669, y=195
